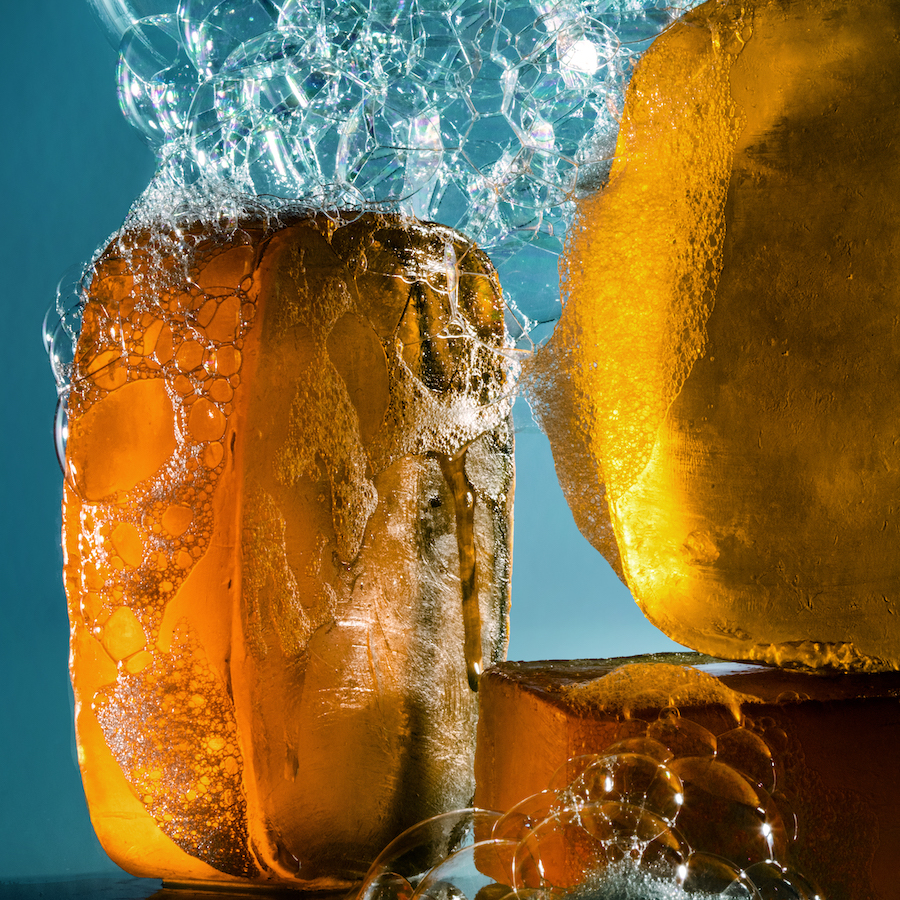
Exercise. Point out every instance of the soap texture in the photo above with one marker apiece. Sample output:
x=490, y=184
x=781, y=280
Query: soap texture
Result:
x=772, y=764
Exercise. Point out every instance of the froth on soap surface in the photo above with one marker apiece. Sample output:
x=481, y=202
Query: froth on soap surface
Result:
x=269, y=638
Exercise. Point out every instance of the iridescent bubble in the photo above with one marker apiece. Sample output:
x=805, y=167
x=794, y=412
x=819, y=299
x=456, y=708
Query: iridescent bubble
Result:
x=559, y=853
x=117, y=16
x=571, y=770
x=525, y=816
x=632, y=833
x=213, y=29
x=389, y=886
x=644, y=745
x=631, y=778
x=157, y=82
x=392, y=144
x=785, y=806
x=61, y=434
x=613, y=827
x=62, y=325
x=747, y=752
x=473, y=873
x=723, y=813
x=776, y=882
x=682, y=736
x=710, y=875
x=490, y=118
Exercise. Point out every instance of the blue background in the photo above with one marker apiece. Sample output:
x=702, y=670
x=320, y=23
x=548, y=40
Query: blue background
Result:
x=70, y=169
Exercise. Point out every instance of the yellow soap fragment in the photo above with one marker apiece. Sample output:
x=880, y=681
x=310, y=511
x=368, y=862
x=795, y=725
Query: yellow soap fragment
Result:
x=727, y=356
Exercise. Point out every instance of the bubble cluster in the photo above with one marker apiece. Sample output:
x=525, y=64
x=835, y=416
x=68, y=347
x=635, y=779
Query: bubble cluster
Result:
x=488, y=118
x=668, y=810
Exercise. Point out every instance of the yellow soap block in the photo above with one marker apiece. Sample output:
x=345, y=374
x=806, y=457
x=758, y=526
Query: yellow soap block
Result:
x=725, y=424
x=790, y=765
x=287, y=536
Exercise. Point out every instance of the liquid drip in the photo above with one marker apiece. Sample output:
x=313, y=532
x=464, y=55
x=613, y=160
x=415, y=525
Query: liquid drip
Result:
x=454, y=469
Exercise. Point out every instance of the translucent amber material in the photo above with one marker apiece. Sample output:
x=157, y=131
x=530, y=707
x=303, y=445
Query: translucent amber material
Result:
x=287, y=533
x=729, y=348
x=793, y=766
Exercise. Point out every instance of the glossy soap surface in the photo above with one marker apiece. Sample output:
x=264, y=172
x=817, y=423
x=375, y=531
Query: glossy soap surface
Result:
x=287, y=532
x=732, y=336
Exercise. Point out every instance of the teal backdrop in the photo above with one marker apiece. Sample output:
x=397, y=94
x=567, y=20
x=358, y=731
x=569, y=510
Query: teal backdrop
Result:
x=70, y=169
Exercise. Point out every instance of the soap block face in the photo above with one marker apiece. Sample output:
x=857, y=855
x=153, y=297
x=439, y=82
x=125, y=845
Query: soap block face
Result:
x=287, y=535
x=731, y=337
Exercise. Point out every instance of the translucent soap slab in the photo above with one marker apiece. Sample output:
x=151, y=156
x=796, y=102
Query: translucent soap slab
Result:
x=722, y=409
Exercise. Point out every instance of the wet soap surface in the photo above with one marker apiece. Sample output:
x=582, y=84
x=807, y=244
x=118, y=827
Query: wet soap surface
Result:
x=731, y=337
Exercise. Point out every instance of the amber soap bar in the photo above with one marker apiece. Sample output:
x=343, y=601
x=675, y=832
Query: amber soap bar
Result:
x=731, y=335
x=832, y=739
x=286, y=526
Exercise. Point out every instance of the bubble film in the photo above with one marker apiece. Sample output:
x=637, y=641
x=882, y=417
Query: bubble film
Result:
x=487, y=117
x=621, y=825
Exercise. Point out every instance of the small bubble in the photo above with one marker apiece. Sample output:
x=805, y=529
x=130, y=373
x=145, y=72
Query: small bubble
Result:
x=226, y=361
x=710, y=875
x=123, y=634
x=189, y=356
x=213, y=454
x=749, y=754
x=61, y=433
x=640, y=781
x=128, y=543
x=683, y=737
x=522, y=818
x=177, y=519
x=774, y=881
x=205, y=421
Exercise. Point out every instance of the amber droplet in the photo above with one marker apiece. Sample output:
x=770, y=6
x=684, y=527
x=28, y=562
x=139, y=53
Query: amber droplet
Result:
x=212, y=455
x=123, y=634
x=177, y=519
x=189, y=356
x=206, y=422
x=227, y=360
x=127, y=541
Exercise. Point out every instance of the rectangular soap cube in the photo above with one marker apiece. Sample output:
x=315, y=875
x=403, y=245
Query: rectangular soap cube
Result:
x=817, y=752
